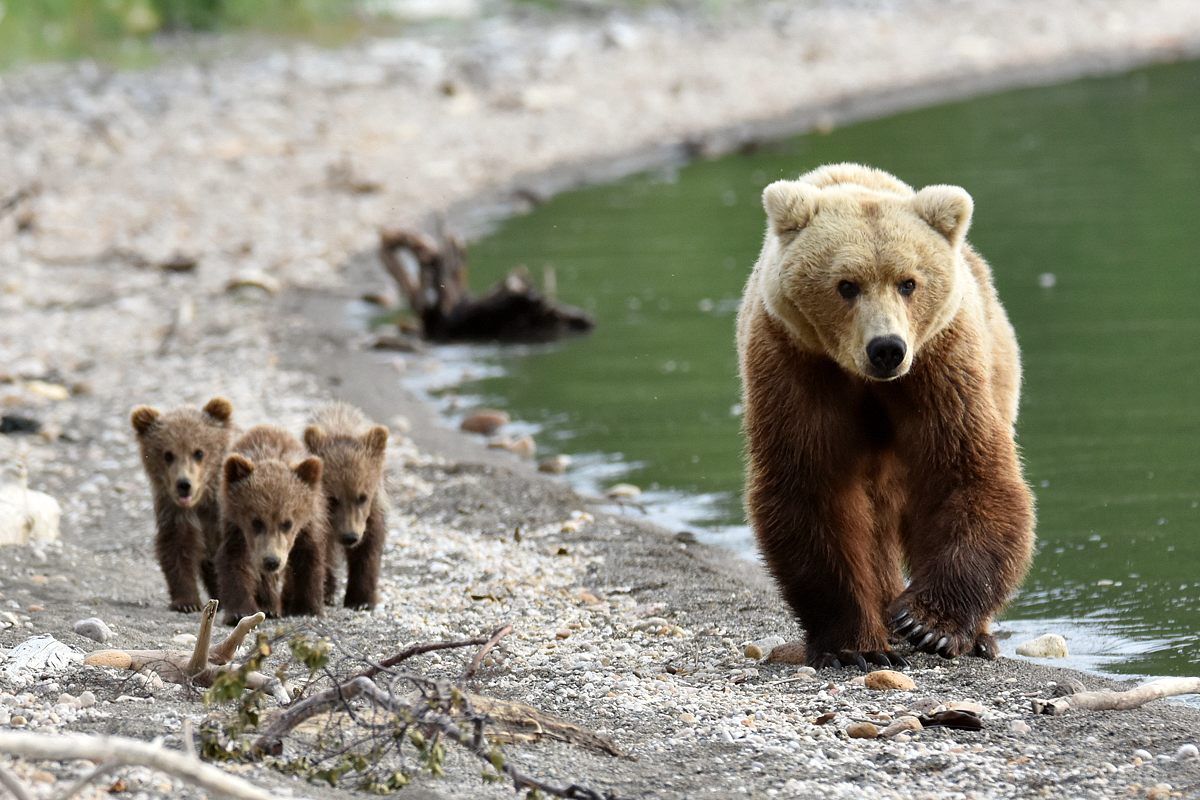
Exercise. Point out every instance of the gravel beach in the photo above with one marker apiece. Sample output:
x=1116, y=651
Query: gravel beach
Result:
x=201, y=228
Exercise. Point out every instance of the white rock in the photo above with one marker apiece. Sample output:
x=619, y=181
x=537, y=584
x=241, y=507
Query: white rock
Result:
x=94, y=629
x=1144, y=755
x=1051, y=645
x=26, y=515
x=1187, y=753
x=186, y=639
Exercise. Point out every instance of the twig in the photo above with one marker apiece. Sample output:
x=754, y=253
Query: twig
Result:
x=1118, y=701
x=271, y=741
x=123, y=751
x=418, y=649
x=101, y=769
x=13, y=785
x=473, y=667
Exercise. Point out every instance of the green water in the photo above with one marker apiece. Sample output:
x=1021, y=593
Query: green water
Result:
x=1095, y=182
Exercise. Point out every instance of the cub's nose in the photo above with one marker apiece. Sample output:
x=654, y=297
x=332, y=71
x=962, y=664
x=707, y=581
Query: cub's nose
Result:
x=270, y=563
x=183, y=486
x=885, y=353
x=349, y=538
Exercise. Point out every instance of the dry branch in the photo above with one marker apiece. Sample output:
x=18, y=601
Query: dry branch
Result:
x=434, y=281
x=1118, y=701
x=122, y=751
x=201, y=665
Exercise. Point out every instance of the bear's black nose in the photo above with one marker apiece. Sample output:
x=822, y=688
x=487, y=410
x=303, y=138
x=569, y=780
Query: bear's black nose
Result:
x=183, y=486
x=270, y=563
x=349, y=538
x=885, y=353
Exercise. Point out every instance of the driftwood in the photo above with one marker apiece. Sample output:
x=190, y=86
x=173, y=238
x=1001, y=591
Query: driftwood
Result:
x=201, y=665
x=434, y=282
x=446, y=709
x=111, y=752
x=1118, y=701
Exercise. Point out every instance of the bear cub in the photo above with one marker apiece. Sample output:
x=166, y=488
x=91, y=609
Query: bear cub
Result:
x=352, y=450
x=182, y=452
x=272, y=552
x=880, y=381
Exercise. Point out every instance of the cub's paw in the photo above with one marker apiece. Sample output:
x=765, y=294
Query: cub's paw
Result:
x=852, y=658
x=986, y=647
x=360, y=605
x=928, y=637
x=185, y=606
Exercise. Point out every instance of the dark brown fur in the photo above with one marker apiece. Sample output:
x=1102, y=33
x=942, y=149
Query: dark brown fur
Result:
x=272, y=553
x=851, y=478
x=353, y=452
x=182, y=452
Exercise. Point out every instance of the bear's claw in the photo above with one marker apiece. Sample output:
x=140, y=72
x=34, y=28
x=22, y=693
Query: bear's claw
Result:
x=862, y=660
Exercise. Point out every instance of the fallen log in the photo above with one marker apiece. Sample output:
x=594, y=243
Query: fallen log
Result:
x=1118, y=701
x=434, y=282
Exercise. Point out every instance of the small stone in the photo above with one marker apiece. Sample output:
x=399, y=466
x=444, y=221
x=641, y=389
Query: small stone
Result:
x=485, y=421
x=889, y=679
x=925, y=705
x=623, y=491
x=753, y=651
x=555, y=465
x=523, y=446
x=256, y=279
x=901, y=725
x=94, y=629
x=970, y=708
x=1187, y=752
x=18, y=720
x=1144, y=755
x=1050, y=645
x=862, y=730
x=65, y=699
x=1019, y=727
x=185, y=639
x=87, y=699
x=117, y=659
x=787, y=653
x=563, y=634
x=686, y=717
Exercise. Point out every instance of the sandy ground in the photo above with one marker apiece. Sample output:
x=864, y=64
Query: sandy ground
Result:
x=197, y=229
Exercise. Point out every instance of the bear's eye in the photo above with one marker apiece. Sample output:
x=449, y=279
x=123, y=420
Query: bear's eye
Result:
x=285, y=526
x=907, y=287
x=849, y=290
x=333, y=502
x=169, y=457
x=259, y=526
x=198, y=456
x=362, y=498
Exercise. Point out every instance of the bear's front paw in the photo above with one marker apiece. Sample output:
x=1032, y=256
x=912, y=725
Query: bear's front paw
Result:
x=943, y=639
x=851, y=658
x=185, y=606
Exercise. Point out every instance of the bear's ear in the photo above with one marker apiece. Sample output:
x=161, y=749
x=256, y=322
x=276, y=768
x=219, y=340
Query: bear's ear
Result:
x=314, y=438
x=946, y=209
x=238, y=468
x=309, y=471
x=143, y=418
x=790, y=206
x=375, y=440
x=219, y=409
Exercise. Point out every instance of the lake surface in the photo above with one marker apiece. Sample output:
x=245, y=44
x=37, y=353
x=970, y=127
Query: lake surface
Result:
x=1087, y=200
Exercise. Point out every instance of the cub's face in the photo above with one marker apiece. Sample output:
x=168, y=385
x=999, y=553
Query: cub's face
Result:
x=864, y=276
x=353, y=470
x=270, y=503
x=183, y=449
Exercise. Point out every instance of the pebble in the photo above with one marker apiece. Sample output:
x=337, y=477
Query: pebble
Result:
x=94, y=628
x=1187, y=752
x=623, y=491
x=1144, y=755
x=554, y=465
x=1050, y=645
x=485, y=421
x=185, y=639
x=902, y=725
x=862, y=730
x=882, y=679
x=753, y=651
x=1018, y=726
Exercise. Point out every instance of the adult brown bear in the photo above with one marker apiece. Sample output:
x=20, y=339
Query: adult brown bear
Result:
x=880, y=378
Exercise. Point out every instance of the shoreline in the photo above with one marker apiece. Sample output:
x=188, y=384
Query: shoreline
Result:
x=621, y=627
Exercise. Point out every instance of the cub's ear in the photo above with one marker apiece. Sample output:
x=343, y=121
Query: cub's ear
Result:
x=314, y=438
x=219, y=409
x=790, y=206
x=309, y=471
x=946, y=209
x=238, y=468
x=143, y=418
x=375, y=440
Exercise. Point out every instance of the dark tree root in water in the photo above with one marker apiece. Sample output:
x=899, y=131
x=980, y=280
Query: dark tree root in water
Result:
x=433, y=278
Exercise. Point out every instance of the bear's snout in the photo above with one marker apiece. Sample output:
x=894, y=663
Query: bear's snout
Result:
x=350, y=538
x=270, y=563
x=183, y=488
x=886, y=354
